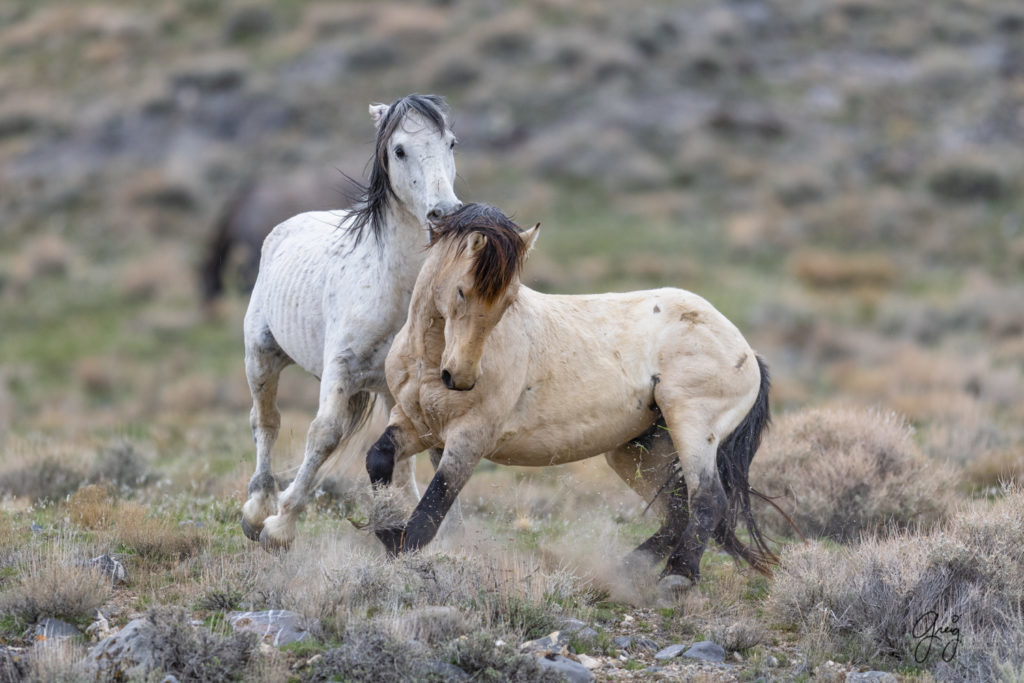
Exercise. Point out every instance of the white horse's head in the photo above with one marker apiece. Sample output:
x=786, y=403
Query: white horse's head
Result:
x=413, y=167
x=474, y=280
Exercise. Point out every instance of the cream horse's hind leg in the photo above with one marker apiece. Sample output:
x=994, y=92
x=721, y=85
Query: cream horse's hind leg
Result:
x=650, y=467
x=264, y=361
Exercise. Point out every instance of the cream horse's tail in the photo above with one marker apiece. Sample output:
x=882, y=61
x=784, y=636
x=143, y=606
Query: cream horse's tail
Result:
x=734, y=456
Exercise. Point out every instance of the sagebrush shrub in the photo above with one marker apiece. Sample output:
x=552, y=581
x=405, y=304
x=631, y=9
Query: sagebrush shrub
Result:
x=888, y=599
x=842, y=472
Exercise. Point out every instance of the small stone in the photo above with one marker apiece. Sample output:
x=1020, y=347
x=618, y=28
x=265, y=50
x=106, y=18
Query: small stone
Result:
x=772, y=662
x=556, y=642
x=627, y=619
x=642, y=644
x=574, y=672
x=52, y=629
x=669, y=652
x=589, y=662
x=275, y=627
x=707, y=651
x=622, y=642
x=109, y=566
x=737, y=657
x=36, y=528
x=870, y=677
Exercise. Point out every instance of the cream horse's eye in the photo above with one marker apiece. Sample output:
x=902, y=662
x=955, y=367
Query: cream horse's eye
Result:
x=461, y=295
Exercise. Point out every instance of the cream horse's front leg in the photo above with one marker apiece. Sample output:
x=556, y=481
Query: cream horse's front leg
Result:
x=461, y=454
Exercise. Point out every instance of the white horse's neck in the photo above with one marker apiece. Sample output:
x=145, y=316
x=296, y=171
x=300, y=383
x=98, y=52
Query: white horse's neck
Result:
x=404, y=240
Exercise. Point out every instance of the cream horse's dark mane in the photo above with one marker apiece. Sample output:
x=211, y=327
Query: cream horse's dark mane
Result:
x=501, y=258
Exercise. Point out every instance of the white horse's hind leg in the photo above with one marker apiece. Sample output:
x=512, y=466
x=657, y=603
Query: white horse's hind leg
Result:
x=263, y=364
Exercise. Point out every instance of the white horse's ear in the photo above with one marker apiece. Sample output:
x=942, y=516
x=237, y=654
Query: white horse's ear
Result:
x=476, y=241
x=377, y=113
x=530, y=237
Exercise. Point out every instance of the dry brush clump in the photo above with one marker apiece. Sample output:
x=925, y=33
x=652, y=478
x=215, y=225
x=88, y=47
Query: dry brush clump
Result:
x=842, y=472
x=53, y=582
x=951, y=600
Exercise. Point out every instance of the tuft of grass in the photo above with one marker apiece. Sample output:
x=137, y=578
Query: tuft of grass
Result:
x=92, y=507
x=844, y=472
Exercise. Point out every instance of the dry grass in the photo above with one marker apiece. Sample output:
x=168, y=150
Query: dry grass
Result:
x=866, y=601
x=50, y=583
x=829, y=270
x=843, y=472
x=155, y=538
x=92, y=507
x=989, y=471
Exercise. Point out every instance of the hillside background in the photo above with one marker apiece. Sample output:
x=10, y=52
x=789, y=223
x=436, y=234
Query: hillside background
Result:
x=844, y=179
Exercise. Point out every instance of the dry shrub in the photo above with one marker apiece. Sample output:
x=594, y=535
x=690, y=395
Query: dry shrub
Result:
x=47, y=479
x=512, y=594
x=866, y=601
x=92, y=507
x=843, y=472
x=829, y=270
x=192, y=653
x=53, y=584
x=155, y=538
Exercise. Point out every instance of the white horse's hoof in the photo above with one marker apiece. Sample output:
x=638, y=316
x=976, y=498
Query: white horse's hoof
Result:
x=251, y=531
x=277, y=534
x=671, y=588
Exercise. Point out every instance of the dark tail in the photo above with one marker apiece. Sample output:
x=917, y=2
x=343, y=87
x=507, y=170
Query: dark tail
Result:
x=734, y=456
x=211, y=271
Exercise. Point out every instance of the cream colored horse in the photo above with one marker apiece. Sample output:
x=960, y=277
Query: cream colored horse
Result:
x=485, y=367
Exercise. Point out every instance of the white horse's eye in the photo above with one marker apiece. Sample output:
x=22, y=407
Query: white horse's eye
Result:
x=400, y=152
x=452, y=146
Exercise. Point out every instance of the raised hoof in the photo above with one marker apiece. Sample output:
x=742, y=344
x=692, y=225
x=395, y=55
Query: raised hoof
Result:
x=272, y=545
x=251, y=532
x=671, y=588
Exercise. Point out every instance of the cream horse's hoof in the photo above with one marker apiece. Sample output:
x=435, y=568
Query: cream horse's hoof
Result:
x=671, y=588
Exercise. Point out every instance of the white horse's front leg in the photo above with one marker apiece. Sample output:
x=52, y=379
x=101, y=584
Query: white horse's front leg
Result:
x=336, y=419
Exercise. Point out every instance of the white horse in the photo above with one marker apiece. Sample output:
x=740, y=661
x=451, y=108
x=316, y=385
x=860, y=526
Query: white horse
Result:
x=658, y=380
x=332, y=291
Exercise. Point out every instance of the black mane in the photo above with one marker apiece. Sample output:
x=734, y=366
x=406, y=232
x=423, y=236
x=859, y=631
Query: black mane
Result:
x=372, y=200
x=502, y=256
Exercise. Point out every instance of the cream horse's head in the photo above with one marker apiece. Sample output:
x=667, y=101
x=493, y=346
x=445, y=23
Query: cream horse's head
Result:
x=476, y=280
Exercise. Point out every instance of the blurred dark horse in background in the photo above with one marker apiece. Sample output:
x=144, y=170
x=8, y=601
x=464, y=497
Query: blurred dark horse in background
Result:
x=261, y=202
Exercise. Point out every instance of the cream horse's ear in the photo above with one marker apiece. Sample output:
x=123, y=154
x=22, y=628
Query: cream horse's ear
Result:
x=476, y=241
x=530, y=237
x=377, y=113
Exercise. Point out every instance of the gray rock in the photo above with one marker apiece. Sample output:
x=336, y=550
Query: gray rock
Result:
x=128, y=654
x=446, y=671
x=707, y=651
x=13, y=664
x=276, y=627
x=669, y=652
x=110, y=566
x=36, y=529
x=571, y=625
x=870, y=677
x=574, y=672
x=50, y=628
x=552, y=642
x=635, y=644
x=772, y=661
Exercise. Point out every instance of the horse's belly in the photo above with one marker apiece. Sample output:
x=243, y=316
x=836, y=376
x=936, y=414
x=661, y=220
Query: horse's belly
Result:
x=554, y=443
